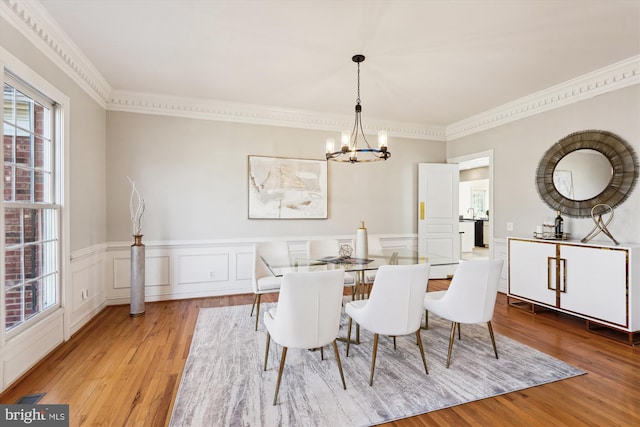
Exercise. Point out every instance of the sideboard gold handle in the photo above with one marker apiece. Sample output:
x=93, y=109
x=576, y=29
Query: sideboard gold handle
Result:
x=551, y=273
x=421, y=211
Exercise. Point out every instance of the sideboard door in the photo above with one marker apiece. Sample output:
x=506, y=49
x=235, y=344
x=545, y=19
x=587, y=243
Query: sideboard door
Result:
x=532, y=271
x=596, y=283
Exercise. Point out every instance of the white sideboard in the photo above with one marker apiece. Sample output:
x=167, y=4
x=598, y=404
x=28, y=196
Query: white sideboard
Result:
x=599, y=282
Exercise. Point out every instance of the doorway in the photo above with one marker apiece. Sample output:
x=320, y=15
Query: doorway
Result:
x=476, y=204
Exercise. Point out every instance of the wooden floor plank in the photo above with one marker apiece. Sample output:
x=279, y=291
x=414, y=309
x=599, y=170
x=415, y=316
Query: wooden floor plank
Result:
x=126, y=371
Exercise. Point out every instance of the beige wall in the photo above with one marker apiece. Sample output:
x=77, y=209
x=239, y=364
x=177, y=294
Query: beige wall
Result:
x=193, y=175
x=518, y=147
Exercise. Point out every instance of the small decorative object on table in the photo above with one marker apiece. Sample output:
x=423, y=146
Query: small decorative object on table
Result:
x=362, y=245
x=559, y=226
x=345, y=251
x=137, y=253
x=547, y=231
x=600, y=226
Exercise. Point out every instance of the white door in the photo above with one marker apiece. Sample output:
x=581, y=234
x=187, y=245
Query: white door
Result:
x=438, y=229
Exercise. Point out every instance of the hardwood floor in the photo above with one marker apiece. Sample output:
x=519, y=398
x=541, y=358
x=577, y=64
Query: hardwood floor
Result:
x=123, y=371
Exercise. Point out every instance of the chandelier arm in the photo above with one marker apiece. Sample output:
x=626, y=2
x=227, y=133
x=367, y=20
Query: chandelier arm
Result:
x=353, y=141
x=362, y=131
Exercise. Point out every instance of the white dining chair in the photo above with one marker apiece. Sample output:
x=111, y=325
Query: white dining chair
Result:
x=322, y=248
x=375, y=247
x=470, y=298
x=394, y=307
x=307, y=315
x=263, y=280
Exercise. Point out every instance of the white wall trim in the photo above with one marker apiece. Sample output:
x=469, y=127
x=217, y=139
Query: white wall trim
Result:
x=165, y=105
x=608, y=79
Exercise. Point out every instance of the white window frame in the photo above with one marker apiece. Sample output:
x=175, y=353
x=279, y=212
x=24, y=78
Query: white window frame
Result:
x=11, y=64
x=51, y=259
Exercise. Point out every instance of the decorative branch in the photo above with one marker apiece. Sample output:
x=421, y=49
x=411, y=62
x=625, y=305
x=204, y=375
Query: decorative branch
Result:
x=138, y=211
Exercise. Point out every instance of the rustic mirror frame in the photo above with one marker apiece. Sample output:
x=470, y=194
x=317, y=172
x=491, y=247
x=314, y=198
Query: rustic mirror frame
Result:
x=623, y=162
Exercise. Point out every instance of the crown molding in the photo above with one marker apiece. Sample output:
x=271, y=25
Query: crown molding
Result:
x=608, y=79
x=32, y=20
x=144, y=103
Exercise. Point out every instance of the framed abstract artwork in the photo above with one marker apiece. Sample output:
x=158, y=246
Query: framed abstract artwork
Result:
x=282, y=188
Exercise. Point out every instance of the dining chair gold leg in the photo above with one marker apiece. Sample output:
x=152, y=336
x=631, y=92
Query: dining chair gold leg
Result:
x=459, y=336
x=253, y=306
x=426, y=319
x=424, y=360
x=258, y=310
x=321, y=353
x=335, y=350
x=349, y=335
x=373, y=357
x=451, y=338
x=493, y=339
x=266, y=352
x=284, y=355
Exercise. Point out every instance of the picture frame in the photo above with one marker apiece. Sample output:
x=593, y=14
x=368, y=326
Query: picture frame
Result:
x=286, y=188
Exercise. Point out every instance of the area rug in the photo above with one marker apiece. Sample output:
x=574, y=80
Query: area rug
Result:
x=223, y=383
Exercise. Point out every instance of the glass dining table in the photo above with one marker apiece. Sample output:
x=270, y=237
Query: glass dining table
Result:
x=280, y=264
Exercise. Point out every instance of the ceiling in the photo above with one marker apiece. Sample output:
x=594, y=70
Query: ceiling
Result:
x=429, y=62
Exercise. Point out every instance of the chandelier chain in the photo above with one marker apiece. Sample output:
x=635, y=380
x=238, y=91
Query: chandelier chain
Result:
x=358, y=97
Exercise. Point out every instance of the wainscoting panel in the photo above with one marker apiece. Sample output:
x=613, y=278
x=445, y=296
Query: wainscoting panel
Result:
x=25, y=350
x=203, y=268
x=244, y=265
x=183, y=270
x=86, y=293
x=157, y=271
x=178, y=270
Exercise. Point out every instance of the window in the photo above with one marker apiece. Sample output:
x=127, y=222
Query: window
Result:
x=477, y=202
x=30, y=208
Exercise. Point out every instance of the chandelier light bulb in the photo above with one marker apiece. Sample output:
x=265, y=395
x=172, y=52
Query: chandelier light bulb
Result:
x=382, y=139
x=345, y=140
x=331, y=144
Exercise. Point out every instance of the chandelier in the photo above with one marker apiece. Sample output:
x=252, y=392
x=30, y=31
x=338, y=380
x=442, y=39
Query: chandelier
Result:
x=349, y=151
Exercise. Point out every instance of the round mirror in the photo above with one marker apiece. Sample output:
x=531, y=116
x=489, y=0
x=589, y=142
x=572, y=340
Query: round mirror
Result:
x=582, y=174
x=602, y=164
